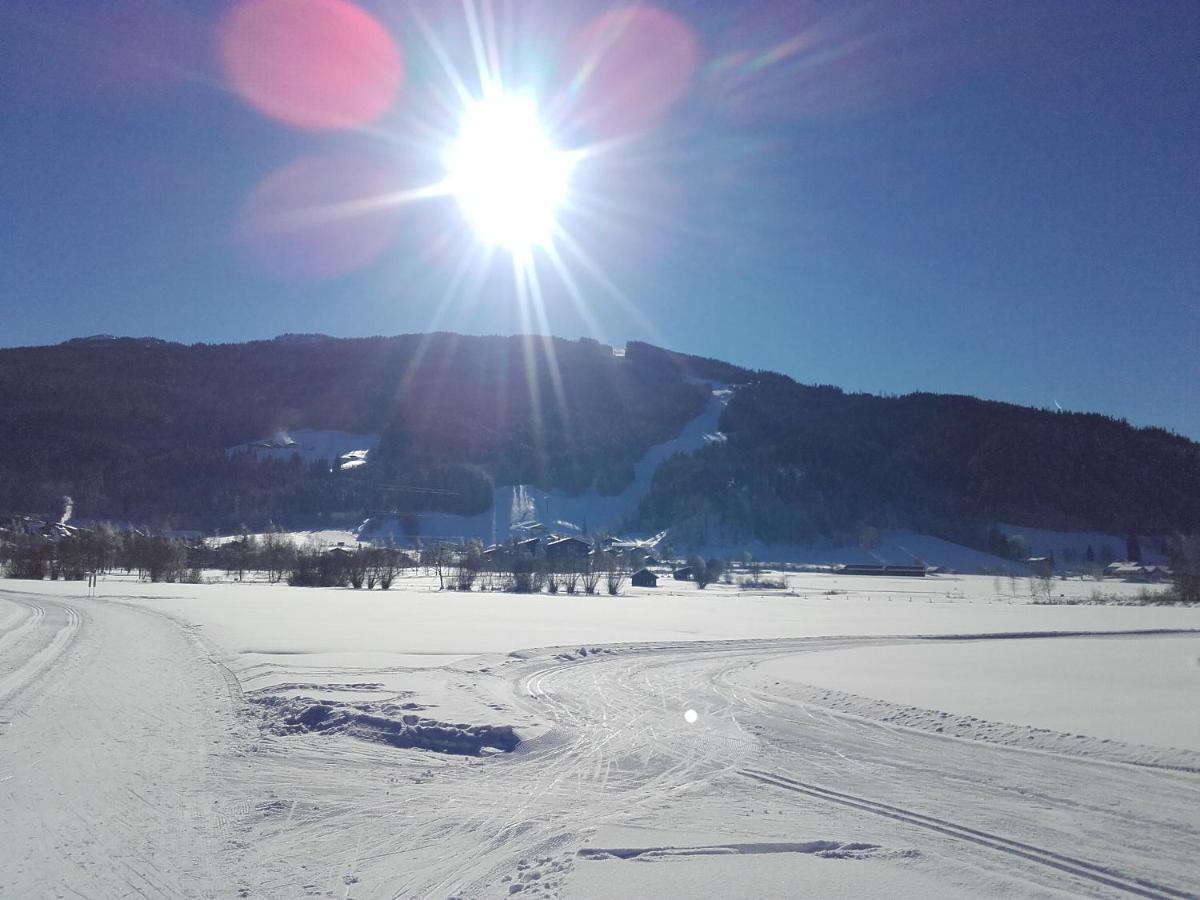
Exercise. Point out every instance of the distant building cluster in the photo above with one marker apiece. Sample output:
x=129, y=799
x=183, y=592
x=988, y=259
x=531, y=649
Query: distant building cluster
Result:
x=1136, y=571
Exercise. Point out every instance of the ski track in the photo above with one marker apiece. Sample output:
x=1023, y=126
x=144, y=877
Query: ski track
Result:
x=618, y=751
x=131, y=766
x=108, y=785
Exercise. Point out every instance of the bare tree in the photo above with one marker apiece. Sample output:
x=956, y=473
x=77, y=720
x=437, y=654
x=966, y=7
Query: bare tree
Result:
x=590, y=575
x=388, y=562
x=614, y=577
x=469, y=563
x=357, y=565
x=437, y=557
x=276, y=554
x=571, y=578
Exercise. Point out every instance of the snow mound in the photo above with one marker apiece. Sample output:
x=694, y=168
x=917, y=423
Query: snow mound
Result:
x=582, y=653
x=384, y=723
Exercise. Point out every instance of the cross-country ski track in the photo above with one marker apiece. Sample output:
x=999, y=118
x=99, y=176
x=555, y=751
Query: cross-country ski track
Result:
x=131, y=765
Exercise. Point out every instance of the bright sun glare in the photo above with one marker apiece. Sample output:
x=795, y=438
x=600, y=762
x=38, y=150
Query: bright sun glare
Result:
x=506, y=173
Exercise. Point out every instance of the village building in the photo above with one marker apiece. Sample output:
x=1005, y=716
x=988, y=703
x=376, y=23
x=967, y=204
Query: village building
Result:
x=643, y=578
x=566, y=549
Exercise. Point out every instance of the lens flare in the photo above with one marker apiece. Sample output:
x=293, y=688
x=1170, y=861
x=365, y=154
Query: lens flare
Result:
x=319, y=65
x=320, y=216
x=630, y=65
x=506, y=173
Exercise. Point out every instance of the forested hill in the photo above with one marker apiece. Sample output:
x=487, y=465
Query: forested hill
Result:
x=139, y=429
x=801, y=461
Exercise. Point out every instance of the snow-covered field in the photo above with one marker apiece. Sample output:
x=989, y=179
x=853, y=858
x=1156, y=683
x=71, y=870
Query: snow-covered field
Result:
x=849, y=737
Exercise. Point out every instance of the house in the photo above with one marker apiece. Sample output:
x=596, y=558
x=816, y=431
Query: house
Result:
x=1133, y=571
x=684, y=573
x=1041, y=565
x=643, y=578
x=565, y=549
x=857, y=569
x=905, y=571
x=528, y=528
x=1130, y=571
x=863, y=569
x=529, y=547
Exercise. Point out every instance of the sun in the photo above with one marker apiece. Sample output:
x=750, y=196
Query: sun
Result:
x=509, y=178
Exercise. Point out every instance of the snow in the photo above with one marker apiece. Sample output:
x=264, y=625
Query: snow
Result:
x=415, y=618
x=311, y=444
x=323, y=537
x=107, y=717
x=709, y=864
x=1141, y=690
x=266, y=741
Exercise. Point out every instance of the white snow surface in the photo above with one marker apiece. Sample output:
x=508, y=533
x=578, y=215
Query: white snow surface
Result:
x=266, y=741
x=1139, y=690
x=321, y=537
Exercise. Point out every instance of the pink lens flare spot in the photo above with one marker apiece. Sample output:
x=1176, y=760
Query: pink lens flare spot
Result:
x=319, y=65
x=320, y=216
x=628, y=67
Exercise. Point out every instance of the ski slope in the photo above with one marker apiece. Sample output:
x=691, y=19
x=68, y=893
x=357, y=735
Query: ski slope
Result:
x=513, y=504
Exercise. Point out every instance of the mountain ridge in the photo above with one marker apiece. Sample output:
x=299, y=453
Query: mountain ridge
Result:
x=139, y=429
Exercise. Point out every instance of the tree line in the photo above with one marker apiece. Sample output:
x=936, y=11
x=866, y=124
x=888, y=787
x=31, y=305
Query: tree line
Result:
x=276, y=558
x=803, y=463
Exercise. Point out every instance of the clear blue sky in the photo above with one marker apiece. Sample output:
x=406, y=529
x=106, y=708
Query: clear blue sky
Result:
x=993, y=199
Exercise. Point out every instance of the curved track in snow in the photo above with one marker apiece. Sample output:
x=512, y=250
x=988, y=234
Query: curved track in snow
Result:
x=617, y=750
x=107, y=783
x=131, y=767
